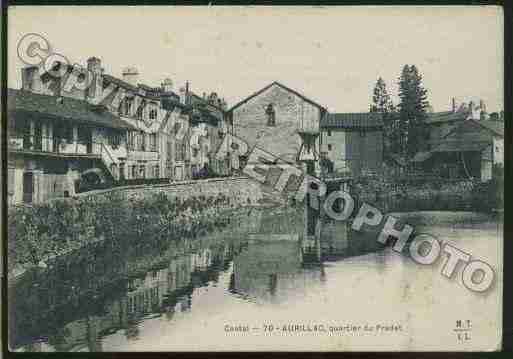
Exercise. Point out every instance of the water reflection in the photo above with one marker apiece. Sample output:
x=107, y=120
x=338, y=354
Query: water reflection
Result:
x=106, y=297
x=104, y=289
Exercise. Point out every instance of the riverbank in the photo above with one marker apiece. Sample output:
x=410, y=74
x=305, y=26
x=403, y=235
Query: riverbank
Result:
x=41, y=232
x=442, y=195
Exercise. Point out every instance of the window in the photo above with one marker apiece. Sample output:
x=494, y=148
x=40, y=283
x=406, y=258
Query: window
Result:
x=271, y=115
x=122, y=171
x=179, y=151
x=152, y=114
x=156, y=171
x=134, y=172
x=125, y=108
x=142, y=139
x=114, y=139
x=153, y=142
x=66, y=133
x=329, y=147
x=142, y=171
x=140, y=110
x=131, y=140
x=329, y=132
x=10, y=179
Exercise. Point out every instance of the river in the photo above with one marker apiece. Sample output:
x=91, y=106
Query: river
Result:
x=244, y=287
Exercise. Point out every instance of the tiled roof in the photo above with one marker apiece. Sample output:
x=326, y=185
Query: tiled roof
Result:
x=69, y=109
x=461, y=146
x=352, y=120
x=195, y=99
x=452, y=146
x=446, y=116
x=120, y=82
x=494, y=126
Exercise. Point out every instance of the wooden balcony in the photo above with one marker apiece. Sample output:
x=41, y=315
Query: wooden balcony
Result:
x=52, y=146
x=136, y=155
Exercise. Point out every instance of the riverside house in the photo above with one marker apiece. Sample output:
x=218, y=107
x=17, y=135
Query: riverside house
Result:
x=208, y=128
x=153, y=113
x=155, y=152
x=352, y=143
x=59, y=145
x=272, y=118
x=116, y=131
x=469, y=150
x=463, y=143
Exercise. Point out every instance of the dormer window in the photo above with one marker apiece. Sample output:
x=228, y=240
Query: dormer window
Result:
x=152, y=113
x=126, y=107
x=271, y=115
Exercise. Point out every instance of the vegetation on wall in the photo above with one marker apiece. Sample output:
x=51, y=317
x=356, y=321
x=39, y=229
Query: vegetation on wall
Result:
x=54, y=228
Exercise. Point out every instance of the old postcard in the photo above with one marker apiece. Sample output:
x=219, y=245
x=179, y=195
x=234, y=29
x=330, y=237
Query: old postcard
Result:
x=255, y=178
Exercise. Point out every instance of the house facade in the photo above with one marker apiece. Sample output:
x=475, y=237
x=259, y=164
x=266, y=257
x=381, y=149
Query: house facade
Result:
x=59, y=146
x=272, y=118
x=441, y=123
x=208, y=127
x=64, y=140
x=352, y=144
x=152, y=112
x=469, y=150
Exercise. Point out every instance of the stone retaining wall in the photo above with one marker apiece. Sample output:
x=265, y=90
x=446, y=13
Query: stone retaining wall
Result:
x=242, y=190
x=443, y=195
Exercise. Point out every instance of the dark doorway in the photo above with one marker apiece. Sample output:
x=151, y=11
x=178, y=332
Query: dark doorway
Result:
x=122, y=171
x=85, y=137
x=28, y=187
x=38, y=137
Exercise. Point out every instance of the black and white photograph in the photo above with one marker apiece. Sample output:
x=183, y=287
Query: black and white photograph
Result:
x=254, y=178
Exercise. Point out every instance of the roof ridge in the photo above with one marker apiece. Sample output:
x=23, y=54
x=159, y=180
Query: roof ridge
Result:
x=70, y=108
x=246, y=99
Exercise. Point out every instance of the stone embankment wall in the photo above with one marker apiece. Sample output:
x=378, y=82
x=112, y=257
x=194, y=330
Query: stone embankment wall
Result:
x=442, y=195
x=241, y=190
x=124, y=215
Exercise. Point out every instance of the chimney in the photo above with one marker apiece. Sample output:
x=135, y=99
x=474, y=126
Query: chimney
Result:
x=482, y=105
x=131, y=75
x=27, y=77
x=453, y=104
x=167, y=85
x=94, y=66
x=182, y=95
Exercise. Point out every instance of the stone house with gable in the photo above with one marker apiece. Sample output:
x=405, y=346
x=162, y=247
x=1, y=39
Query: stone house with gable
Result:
x=271, y=118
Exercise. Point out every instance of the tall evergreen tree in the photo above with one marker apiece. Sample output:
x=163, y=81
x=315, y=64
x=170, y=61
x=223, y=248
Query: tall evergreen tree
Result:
x=382, y=103
x=412, y=111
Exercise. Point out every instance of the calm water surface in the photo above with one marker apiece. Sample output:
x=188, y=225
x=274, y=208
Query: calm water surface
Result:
x=183, y=294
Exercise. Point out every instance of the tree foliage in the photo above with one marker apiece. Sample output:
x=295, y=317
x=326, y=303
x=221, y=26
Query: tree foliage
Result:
x=382, y=103
x=413, y=107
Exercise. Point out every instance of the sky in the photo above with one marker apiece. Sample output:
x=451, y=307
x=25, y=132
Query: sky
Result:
x=332, y=55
